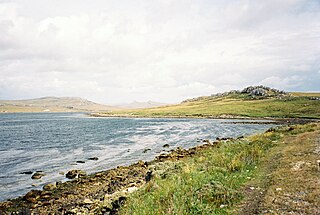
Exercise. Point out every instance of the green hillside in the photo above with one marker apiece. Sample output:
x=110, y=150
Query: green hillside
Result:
x=258, y=101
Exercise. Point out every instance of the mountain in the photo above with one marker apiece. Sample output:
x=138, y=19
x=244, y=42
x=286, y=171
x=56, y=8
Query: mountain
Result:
x=139, y=105
x=52, y=104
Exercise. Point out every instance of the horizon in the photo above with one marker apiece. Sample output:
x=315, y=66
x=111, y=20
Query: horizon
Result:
x=165, y=51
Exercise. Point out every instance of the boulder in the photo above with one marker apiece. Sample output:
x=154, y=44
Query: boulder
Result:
x=166, y=146
x=94, y=158
x=75, y=173
x=37, y=175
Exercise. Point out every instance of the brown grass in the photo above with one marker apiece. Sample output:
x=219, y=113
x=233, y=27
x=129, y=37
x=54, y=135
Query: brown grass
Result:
x=290, y=179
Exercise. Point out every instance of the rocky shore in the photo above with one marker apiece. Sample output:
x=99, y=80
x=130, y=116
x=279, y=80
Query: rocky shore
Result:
x=99, y=193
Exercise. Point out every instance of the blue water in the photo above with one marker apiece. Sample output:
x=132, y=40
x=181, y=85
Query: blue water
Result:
x=53, y=142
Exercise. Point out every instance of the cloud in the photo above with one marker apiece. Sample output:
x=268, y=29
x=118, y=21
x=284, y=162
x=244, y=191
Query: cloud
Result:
x=119, y=51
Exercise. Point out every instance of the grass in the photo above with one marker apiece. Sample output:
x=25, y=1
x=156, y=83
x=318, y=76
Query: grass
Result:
x=234, y=105
x=211, y=182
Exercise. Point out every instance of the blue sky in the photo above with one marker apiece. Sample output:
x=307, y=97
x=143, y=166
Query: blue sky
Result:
x=164, y=50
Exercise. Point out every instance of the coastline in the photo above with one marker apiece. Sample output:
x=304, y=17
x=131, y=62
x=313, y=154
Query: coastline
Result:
x=112, y=184
x=255, y=120
x=105, y=190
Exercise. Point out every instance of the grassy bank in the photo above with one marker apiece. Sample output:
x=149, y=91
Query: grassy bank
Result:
x=213, y=181
x=295, y=106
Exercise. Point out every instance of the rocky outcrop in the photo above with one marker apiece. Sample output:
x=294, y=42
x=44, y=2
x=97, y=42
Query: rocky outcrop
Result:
x=263, y=91
x=254, y=92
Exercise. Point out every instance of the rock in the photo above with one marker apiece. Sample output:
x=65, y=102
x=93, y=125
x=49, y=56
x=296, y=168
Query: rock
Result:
x=37, y=175
x=149, y=176
x=87, y=201
x=80, y=161
x=94, y=158
x=75, y=173
x=72, y=211
x=61, y=173
x=132, y=189
x=72, y=174
x=27, y=172
x=146, y=150
x=118, y=203
x=49, y=186
x=206, y=141
x=165, y=145
x=32, y=196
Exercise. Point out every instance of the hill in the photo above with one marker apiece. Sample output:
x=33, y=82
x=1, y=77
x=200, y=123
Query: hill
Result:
x=52, y=104
x=253, y=101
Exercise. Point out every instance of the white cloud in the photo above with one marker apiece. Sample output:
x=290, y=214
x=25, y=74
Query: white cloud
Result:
x=116, y=51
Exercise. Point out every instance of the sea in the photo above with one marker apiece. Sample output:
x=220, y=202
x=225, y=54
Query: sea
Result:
x=52, y=143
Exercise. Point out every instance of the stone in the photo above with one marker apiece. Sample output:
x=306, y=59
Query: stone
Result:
x=37, y=175
x=87, y=201
x=75, y=173
x=146, y=150
x=80, y=161
x=149, y=176
x=165, y=145
x=27, y=172
x=32, y=196
x=94, y=158
x=49, y=186
x=132, y=189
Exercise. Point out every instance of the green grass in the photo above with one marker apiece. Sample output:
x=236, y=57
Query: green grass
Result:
x=236, y=105
x=208, y=183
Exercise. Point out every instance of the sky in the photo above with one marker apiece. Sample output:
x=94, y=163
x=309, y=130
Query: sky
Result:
x=118, y=51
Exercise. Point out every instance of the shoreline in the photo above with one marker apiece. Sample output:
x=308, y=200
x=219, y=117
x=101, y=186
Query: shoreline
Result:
x=112, y=183
x=275, y=120
x=108, y=187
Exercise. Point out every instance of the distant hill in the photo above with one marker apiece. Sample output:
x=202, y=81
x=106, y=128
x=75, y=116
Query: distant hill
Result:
x=139, y=105
x=52, y=104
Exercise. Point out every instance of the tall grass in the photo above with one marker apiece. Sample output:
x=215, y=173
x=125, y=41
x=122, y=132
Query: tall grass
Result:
x=205, y=184
x=208, y=183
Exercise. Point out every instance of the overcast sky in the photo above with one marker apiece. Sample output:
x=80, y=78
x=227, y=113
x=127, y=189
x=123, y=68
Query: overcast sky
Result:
x=163, y=50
